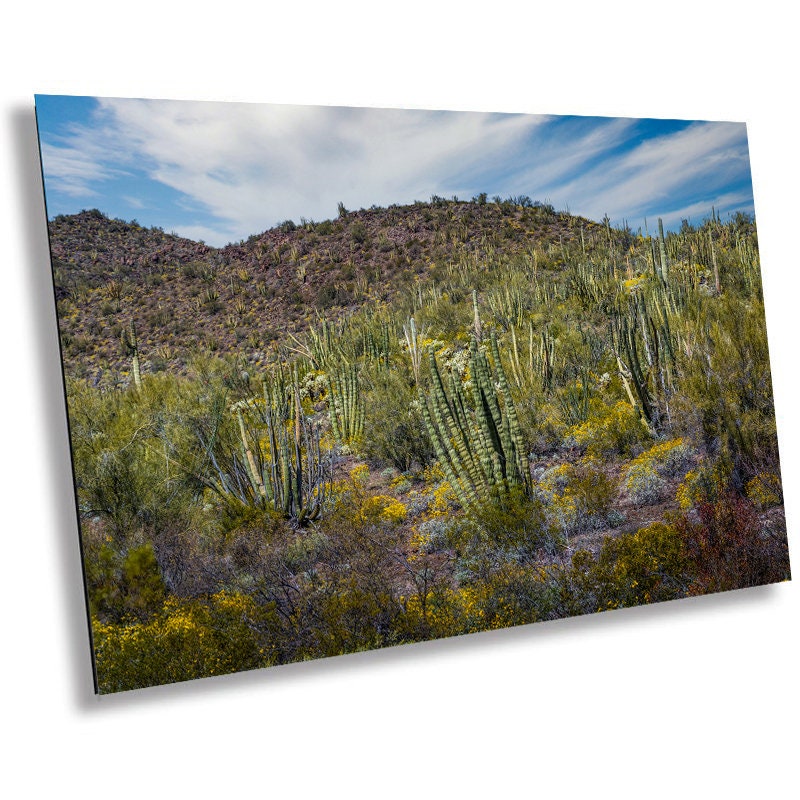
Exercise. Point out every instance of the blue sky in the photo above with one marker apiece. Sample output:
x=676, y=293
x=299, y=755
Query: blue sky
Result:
x=223, y=171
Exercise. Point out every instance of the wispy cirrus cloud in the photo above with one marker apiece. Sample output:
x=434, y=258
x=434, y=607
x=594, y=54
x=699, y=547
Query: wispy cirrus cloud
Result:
x=230, y=170
x=74, y=171
x=697, y=164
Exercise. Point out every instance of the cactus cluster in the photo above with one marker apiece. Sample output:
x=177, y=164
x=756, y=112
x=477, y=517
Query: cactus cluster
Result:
x=376, y=348
x=285, y=464
x=345, y=403
x=479, y=444
x=644, y=347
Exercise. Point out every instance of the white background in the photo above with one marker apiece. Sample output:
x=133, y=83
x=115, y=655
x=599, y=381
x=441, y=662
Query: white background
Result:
x=695, y=698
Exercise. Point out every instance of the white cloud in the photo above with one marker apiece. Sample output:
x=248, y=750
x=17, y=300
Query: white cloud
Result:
x=204, y=233
x=561, y=155
x=241, y=168
x=706, y=154
x=72, y=171
x=254, y=165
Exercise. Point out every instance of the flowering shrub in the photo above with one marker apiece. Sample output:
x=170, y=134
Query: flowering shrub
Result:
x=400, y=483
x=360, y=475
x=648, y=566
x=764, y=491
x=443, y=500
x=434, y=614
x=577, y=496
x=645, y=478
x=631, y=284
x=703, y=484
x=187, y=639
x=669, y=458
x=609, y=430
x=382, y=508
x=515, y=596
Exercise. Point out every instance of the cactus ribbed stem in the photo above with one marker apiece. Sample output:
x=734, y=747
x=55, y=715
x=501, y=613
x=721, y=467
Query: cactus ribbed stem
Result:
x=662, y=251
x=480, y=449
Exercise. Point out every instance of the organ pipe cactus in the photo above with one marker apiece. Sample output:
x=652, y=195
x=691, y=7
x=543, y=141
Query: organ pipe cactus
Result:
x=282, y=453
x=130, y=345
x=345, y=403
x=662, y=250
x=412, y=343
x=479, y=444
x=476, y=316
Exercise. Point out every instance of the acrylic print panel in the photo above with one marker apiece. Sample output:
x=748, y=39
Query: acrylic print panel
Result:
x=340, y=379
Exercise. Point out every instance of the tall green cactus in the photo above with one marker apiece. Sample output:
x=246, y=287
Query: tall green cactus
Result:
x=412, y=343
x=130, y=345
x=644, y=346
x=345, y=403
x=479, y=444
x=662, y=251
x=282, y=454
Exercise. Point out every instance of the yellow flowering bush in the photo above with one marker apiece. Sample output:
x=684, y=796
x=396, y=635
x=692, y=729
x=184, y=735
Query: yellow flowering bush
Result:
x=187, y=639
x=648, y=566
x=400, y=483
x=764, y=491
x=516, y=595
x=705, y=483
x=432, y=615
x=645, y=478
x=431, y=533
x=609, y=429
x=433, y=473
x=577, y=495
x=360, y=475
x=631, y=284
x=443, y=500
x=380, y=507
x=668, y=458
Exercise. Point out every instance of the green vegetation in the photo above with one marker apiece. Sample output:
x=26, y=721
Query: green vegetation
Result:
x=409, y=423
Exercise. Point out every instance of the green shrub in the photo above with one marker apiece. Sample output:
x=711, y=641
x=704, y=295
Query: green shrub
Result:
x=644, y=485
x=123, y=585
x=394, y=430
x=648, y=566
x=513, y=528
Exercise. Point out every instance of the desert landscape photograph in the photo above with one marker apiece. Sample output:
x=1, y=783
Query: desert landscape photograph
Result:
x=340, y=379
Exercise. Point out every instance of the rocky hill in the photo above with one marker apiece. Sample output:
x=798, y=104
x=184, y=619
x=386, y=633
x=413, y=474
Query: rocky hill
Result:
x=183, y=295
